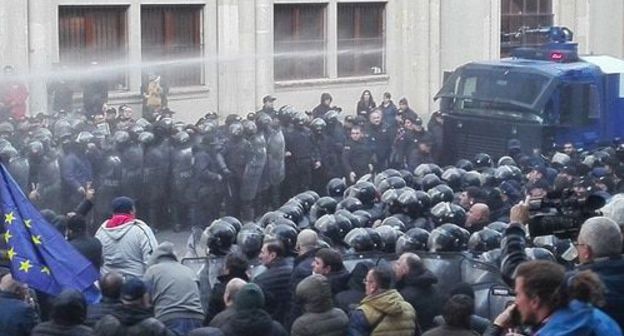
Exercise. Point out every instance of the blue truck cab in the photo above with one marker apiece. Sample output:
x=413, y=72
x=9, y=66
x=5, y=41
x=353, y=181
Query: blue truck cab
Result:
x=543, y=97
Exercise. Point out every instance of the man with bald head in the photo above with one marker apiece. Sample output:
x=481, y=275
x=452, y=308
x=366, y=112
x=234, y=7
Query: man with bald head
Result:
x=17, y=318
x=599, y=246
x=110, y=286
x=307, y=245
x=477, y=217
x=417, y=285
x=231, y=289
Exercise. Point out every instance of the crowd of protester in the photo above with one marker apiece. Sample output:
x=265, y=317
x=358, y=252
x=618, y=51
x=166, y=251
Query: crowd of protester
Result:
x=281, y=200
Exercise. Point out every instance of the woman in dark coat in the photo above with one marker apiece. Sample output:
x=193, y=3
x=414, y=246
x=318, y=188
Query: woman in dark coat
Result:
x=366, y=104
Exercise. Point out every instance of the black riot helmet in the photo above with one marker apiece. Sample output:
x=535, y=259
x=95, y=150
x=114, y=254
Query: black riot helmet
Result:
x=236, y=130
x=336, y=187
x=121, y=138
x=307, y=200
x=413, y=240
x=324, y=206
x=390, y=199
x=181, y=138
x=365, y=192
x=500, y=227
x=408, y=177
x=287, y=235
x=488, y=176
x=300, y=119
x=292, y=211
x=482, y=160
x=347, y=219
x=471, y=179
x=364, y=217
x=318, y=125
x=234, y=222
x=219, y=236
x=464, y=164
x=359, y=240
x=446, y=212
x=249, y=128
x=414, y=203
x=504, y=173
x=394, y=182
x=452, y=177
x=331, y=117
x=329, y=227
x=146, y=138
x=441, y=193
x=429, y=181
x=484, y=240
x=389, y=236
x=394, y=222
x=85, y=137
x=249, y=240
x=163, y=127
x=270, y=217
x=350, y=204
x=422, y=170
x=447, y=238
x=35, y=149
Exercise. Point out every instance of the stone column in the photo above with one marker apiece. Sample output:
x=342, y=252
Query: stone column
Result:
x=264, y=50
x=228, y=55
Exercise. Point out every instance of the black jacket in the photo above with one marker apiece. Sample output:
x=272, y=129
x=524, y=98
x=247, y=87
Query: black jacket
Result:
x=96, y=311
x=338, y=280
x=216, y=303
x=356, y=156
x=252, y=322
x=512, y=252
x=421, y=292
x=131, y=321
x=16, y=317
x=611, y=273
x=275, y=283
x=52, y=329
x=90, y=248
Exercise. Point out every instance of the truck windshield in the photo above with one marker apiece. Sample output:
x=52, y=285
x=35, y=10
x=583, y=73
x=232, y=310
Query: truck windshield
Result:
x=497, y=89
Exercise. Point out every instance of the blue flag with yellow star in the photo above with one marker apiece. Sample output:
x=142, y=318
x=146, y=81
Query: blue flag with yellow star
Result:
x=38, y=253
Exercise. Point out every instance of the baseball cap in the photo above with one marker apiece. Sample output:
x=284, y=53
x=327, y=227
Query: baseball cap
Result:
x=133, y=289
x=268, y=98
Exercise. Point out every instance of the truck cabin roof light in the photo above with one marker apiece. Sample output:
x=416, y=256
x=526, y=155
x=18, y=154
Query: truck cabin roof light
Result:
x=557, y=56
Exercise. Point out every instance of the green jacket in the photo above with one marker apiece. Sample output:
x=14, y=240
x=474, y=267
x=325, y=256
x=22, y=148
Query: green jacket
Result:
x=388, y=314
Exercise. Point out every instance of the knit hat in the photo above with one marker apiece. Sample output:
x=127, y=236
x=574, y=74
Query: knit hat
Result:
x=133, y=289
x=122, y=204
x=249, y=296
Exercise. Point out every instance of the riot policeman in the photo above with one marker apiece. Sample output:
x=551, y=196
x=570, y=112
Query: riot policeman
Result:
x=301, y=156
x=236, y=153
x=156, y=173
x=181, y=179
x=253, y=169
x=108, y=180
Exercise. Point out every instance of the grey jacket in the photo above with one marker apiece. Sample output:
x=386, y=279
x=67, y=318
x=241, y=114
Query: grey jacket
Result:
x=126, y=248
x=173, y=287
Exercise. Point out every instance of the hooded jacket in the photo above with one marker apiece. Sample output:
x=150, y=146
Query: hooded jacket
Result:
x=126, y=248
x=420, y=291
x=173, y=287
x=131, y=321
x=320, y=317
x=579, y=319
x=382, y=314
x=349, y=299
x=611, y=273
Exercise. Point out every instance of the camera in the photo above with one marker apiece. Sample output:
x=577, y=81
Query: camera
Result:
x=561, y=213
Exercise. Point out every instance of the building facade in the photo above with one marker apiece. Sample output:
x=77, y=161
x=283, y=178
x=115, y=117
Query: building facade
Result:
x=225, y=55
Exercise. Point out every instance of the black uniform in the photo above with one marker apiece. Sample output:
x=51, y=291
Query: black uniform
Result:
x=236, y=153
x=356, y=157
x=107, y=184
x=181, y=183
x=156, y=172
x=208, y=171
x=299, y=163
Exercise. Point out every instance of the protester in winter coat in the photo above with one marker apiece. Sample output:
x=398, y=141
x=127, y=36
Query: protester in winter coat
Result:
x=231, y=290
x=275, y=280
x=174, y=291
x=127, y=242
x=348, y=299
x=416, y=284
x=250, y=318
x=110, y=286
x=236, y=266
x=69, y=311
x=134, y=317
x=383, y=311
x=17, y=318
x=320, y=318
x=457, y=312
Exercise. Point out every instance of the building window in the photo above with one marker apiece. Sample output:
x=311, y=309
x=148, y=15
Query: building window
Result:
x=95, y=34
x=171, y=44
x=360, y=39
x=300, y=41
x=518, y=16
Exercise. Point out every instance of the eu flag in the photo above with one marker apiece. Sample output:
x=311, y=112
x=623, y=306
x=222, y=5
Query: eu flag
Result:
x=39, y=254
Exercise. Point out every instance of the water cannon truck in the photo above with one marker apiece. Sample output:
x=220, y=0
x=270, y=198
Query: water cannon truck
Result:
x=544, y=97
